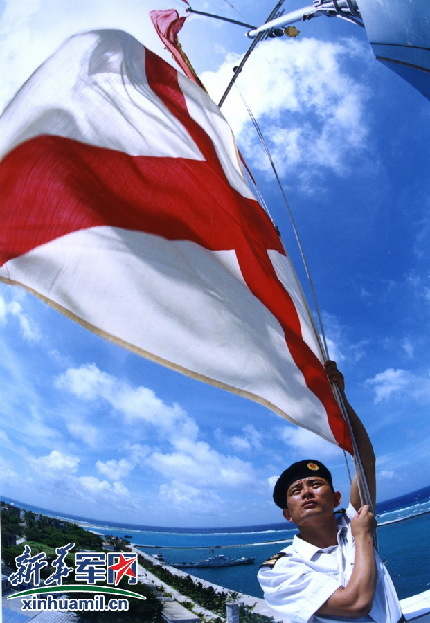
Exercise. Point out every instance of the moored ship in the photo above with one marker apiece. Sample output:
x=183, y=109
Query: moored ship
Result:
x=217, y=560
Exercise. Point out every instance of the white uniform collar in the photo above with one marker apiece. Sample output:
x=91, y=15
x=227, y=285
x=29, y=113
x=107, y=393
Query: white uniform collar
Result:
x=307, y=550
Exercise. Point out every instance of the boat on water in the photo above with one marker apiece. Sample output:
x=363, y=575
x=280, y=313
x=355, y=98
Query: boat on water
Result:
x=217, y=560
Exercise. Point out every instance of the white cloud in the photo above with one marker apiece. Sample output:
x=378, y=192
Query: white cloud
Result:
x=408, y=347
x=137, y=452
x=249, y=439
x=113, y=469
x=364, y=293
x=183, y=496
x=120, y=489
x=239, y=443
x=35, y=432
x=387, y=473
x=271, y=481
x=335, y=337
x=7, y=473
x=13, y=309
x=325, y=125
x=140, y=403
x=334, y=350
x=397, y=382
x=253, y=436
x=56, y=462
x=22, y=405
x=340, y=346
x=423, y=234
x=60, y=358
x=94, y=485
x=58, y=469
x=418, y=284
x=383, y=459
x=197, y=463
x=307, y=444
x=4, y=439
x=190, y=461
x=103, y=488
x=389, y=382
x=82, y=430
x=25, y=412
x=86, y=382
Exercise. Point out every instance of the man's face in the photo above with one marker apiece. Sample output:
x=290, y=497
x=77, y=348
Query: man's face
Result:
x=309, y=498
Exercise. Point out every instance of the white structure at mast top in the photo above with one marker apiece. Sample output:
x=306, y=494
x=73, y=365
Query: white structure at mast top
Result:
x=346, y=9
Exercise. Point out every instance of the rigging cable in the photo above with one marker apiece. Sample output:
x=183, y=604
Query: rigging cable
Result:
x=255, y=41
x=220, y=17
x=321, y=334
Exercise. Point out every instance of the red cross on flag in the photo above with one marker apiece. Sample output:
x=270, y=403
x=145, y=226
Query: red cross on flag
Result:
x=123, y=205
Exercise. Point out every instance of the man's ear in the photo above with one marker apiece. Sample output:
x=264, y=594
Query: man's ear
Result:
x=337, y=496
x=286, y=514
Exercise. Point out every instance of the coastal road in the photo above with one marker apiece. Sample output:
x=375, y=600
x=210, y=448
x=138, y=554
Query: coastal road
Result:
x=258, y=605
x=146, y=577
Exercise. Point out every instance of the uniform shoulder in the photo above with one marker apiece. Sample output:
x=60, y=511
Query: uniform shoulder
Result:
x=271, y=562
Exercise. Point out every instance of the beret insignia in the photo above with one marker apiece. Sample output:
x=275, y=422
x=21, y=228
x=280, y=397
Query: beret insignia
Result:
x=271, y=562
x=313, y=466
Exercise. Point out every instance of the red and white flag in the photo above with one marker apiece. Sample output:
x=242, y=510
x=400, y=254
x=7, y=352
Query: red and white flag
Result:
x=123, y=204
x=167, y=24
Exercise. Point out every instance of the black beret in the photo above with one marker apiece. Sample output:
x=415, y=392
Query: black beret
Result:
x=297, y=471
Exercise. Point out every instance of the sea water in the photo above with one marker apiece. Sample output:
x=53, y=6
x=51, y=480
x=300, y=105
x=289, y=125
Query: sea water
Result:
x=403, y=544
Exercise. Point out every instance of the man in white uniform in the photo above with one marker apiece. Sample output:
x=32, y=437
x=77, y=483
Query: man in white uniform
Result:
x=331, y=571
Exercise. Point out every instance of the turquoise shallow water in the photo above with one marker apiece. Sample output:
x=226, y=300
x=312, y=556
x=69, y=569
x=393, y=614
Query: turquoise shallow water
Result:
x=404, y=547
x=403, y=543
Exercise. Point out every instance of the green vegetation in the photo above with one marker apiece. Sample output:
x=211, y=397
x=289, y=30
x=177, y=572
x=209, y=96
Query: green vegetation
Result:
x=42, y=534
x=140, y=611
x=47, y=531
x=119, y=545
x=55, y=533
x=10, y=521
x=204, y=596
x=8, y=555
x=247, y=616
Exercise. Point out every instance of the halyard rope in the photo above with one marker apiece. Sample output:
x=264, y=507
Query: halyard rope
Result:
x=321, y=334
x=362, y=481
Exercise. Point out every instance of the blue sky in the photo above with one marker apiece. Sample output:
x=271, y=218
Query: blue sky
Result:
x=91, y=429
